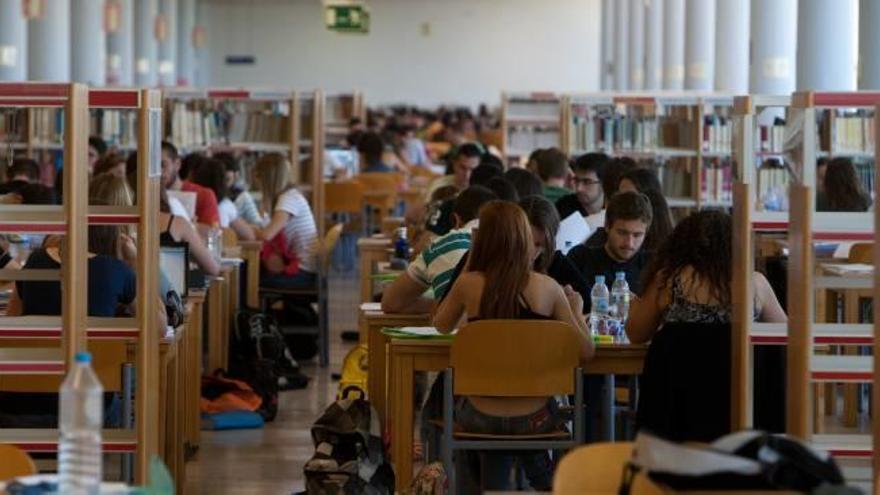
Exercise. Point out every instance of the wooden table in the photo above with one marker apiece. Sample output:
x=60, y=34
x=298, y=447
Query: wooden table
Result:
x=372, y=323
x=407, y=356
x=371, y=250
x=233, y=272
x=192, y=430
x=218, y=323
x=250, y=251
x=171, y=397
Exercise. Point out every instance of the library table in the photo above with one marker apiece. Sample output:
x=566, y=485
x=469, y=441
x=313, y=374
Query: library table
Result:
x=218, y=323
x=192, y=383
x=407, y=356
x=250, y=251
x=171, y=397
x=372, y=250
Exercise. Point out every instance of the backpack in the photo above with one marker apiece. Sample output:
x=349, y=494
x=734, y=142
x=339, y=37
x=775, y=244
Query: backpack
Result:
x=354, y=373
x=349, y=455
x=748, y=460
x=256, y=337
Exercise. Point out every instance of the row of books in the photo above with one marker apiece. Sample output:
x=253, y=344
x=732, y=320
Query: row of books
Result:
x=772, y=187
x=717, y=134
x=848, y=133
x=717, y=185
x=205, y=123
x=524, y=139
x=339, y=109
x=533, y=109
x=13, y=126
x=117, y=127
x=48, y=125
x=676, y=179
x=865, y=173
x=189, y=126
x=771, y=138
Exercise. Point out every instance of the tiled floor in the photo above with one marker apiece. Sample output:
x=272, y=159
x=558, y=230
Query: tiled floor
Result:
x=270, y=460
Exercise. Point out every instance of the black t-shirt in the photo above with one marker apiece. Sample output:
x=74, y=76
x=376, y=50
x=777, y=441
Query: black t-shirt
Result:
x=592, y=261
x=569, y=204
x=12, y=186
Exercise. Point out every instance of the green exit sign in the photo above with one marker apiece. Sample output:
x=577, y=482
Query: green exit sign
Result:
x=347, y=18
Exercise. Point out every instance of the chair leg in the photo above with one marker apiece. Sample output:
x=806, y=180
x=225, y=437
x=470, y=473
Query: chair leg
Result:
x=324, y=326
x=448, y=438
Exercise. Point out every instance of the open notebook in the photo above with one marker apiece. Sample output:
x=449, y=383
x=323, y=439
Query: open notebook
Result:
x=417, y=333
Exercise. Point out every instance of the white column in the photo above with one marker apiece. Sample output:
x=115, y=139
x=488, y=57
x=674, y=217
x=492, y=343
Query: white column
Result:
x=869, y=44
x=120, y=43
x=13, y=41
x=673, y=44
x=186, y=22
x=774, y=42
x=621, y=46
x=607, y=71
x=637, y=44
x=88, y=43
x=202, y=53
x=699, y=47
x=732, y=46
x=168, y=43
x=48, y=36
x=653, y=44
x=145, y=45
x=826, y=49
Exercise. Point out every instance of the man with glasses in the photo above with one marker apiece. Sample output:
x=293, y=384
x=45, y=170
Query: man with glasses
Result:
x=589, y=197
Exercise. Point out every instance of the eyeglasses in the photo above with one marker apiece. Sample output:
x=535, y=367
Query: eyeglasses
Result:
x=586, y=182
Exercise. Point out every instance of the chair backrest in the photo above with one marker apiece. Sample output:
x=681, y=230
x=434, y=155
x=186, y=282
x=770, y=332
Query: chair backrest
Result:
x=380, y=181
x=515, y=358
x=15, y=463
x=328, y=244
x=862, y=252
x=343, y=197
x=230, y=238
x=598, y=469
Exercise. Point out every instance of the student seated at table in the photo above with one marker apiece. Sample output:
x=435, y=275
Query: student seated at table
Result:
x=645, y=181
x=97, y=150
x=588, y=198
x=110, y=163
x=372, y=148
x=238, y=191
x=289, y=257
x=841, y=188
x=434, y=266
x=553, y=169
x=211, y=174
x=207, y=214
x=526, y=183
x=627, y=220
x=614, y=170
x=23, y=171
x=458, y=172
x=500, y=283
x=685, y=308
x=503, y=188
x=173, y=229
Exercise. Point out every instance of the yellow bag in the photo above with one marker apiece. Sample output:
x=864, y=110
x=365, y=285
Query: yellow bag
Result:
x=354, y=373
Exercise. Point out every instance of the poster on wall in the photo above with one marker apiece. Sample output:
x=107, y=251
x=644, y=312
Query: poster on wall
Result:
x=347, y=18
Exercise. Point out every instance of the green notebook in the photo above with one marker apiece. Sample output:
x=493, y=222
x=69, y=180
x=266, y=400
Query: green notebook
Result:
x=421, y=333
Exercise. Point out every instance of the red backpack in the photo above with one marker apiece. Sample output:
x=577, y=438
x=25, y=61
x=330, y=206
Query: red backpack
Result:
x=275, y=250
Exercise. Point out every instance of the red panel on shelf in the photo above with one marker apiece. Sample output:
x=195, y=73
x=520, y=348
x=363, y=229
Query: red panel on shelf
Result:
x=228, y=93
x=860, y=99
x=34, y=90
x=99, y=219
x=770, y=225
x=15, y=101
x=841, y=375
x=634, y=100
x=50, y=228
x=843, y=236
x=114, y=98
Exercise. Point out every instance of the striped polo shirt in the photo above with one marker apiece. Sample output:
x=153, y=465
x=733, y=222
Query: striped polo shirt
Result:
x=435, y=265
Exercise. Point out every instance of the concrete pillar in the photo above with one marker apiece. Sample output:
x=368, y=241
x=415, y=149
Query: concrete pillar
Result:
x=732, y=46
x=88, y=43
x=606, y=79
x=120, y=42
x=168, y=42
x=653, y=44
x=869, y=44
x=48, y=35
x=145, y=46
x=621, y=45
x=673, y=44
x=774, y=43
x=826, y=49
x=13, y=41
x=186, y=59
x=699, y=48
x=637, y=44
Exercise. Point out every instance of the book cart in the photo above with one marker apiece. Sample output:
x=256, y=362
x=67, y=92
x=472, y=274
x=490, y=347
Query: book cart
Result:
x=41, y=347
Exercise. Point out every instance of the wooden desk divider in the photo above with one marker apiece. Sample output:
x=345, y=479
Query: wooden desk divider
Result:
x=72, y=328
x=806, y=228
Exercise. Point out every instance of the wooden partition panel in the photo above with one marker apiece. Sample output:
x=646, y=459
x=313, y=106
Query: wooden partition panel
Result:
x=800, y=313
x=742, y=294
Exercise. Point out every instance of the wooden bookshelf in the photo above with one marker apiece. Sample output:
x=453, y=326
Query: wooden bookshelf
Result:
x=47, y=344
x=339, y=109
x=530, y=121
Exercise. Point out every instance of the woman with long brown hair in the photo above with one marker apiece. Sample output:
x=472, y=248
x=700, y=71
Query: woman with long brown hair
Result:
x=500, y=283
x=841, y=189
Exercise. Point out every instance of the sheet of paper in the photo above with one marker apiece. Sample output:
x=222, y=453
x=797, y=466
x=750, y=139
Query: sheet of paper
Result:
x=420, y=331
x=371, y=306
x=848, y=268
x=573, y=230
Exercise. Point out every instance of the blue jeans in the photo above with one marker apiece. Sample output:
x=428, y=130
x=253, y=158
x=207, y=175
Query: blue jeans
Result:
x=301, y=280
x=497, y=466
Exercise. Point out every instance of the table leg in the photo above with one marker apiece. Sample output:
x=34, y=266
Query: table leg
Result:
x=193, y=380
x=401, y=388
x=608, y=407
x=377, y=377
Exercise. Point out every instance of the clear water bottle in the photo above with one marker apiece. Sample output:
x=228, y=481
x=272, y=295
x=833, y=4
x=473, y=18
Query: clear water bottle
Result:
x=620, y=303
x=599, y=305
x=401, y=244
x=81, y=418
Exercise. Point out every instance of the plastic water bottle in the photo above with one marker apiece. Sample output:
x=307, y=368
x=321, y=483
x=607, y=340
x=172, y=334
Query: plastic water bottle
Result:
x=401, y=250
x=81, y=418
x=620, y=303
x=599, y=303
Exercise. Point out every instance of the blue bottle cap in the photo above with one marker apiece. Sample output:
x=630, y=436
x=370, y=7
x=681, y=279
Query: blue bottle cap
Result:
x=600, y=279
x=620, y=275
x=83, y=357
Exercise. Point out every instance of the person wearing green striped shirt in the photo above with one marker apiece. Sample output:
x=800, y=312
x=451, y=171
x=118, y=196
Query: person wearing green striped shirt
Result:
x=434, y=266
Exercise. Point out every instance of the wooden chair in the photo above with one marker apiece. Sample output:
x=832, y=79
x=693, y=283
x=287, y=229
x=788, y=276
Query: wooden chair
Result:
x=528, y=358
x=598, y=469
x=230, y=238
x=380, y=194
x=15, y=463
x=317, y=294
x=344, y=201
x=862, y=252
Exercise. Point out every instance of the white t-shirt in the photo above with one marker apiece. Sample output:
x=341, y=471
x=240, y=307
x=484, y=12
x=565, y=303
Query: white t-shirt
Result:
x=301, y=232
x=596, y=220
x=228, y=212
x=177, y=208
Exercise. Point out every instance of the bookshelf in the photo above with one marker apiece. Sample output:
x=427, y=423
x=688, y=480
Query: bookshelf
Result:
x=39, y=346
x=672, y=132
x=339, y=109
x=530, y=121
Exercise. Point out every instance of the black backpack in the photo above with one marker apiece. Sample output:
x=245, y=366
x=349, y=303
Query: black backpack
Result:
x=256, y=338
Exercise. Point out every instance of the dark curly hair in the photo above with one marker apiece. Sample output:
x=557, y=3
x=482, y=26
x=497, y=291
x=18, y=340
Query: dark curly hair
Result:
x=703, y=242
x=647, y=183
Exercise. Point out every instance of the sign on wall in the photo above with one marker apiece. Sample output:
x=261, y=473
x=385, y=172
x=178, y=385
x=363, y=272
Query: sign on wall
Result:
x=347, y=18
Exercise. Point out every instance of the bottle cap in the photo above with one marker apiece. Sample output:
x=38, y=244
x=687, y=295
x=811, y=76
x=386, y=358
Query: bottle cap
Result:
x=83, y=357
x=620, y=275
x=600, y=279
